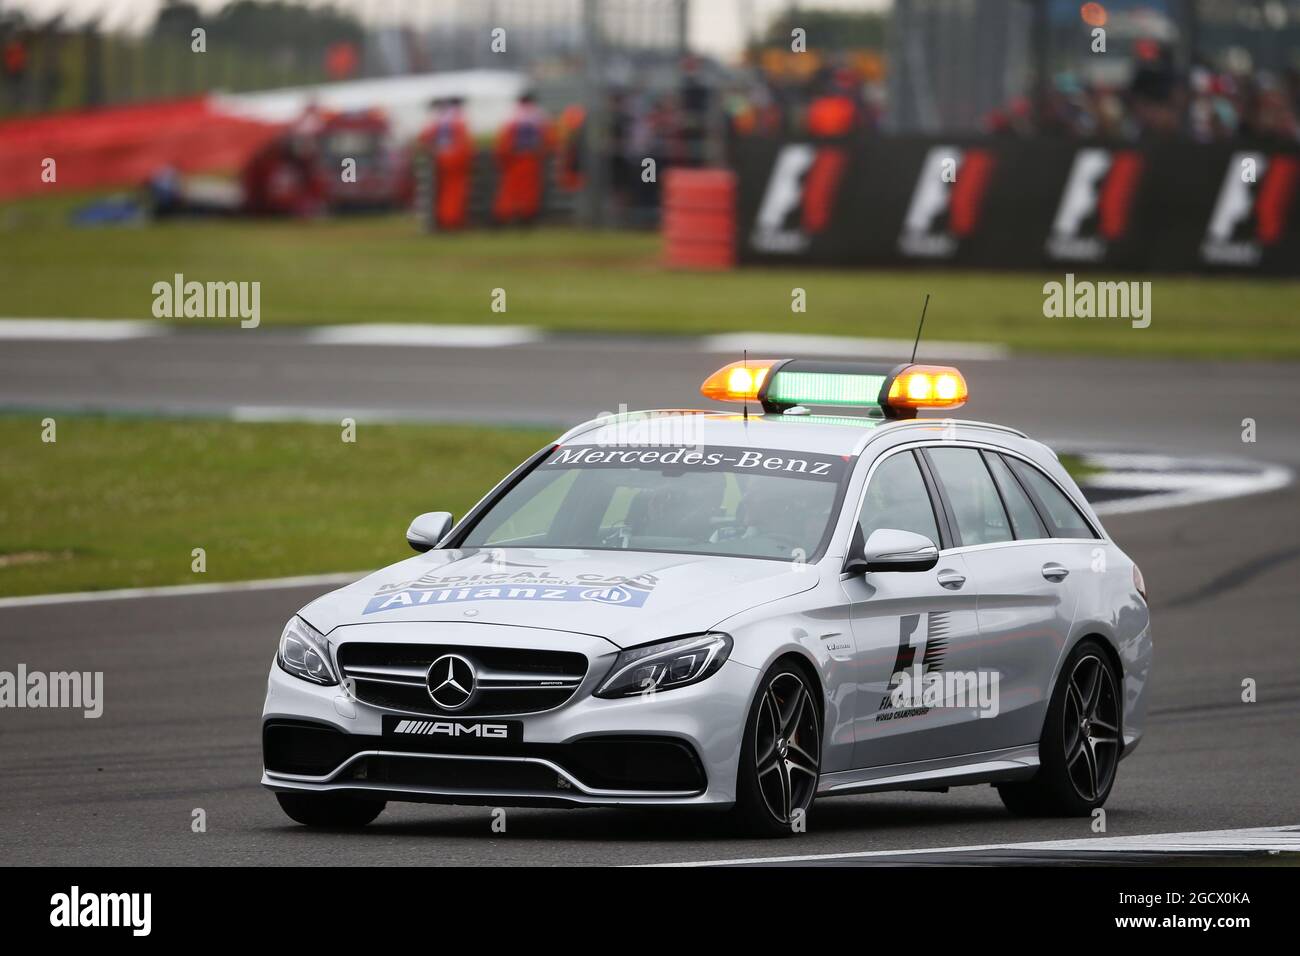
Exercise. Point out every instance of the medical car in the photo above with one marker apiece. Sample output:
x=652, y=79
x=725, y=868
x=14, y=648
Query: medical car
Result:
x=815, y=593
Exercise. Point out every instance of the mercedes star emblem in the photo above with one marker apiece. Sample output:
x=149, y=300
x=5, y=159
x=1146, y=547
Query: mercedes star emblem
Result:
x=451, y=681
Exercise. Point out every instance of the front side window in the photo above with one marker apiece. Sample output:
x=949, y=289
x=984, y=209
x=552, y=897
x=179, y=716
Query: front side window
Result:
x=971, y=495
x=747, y=502
x=897, y=498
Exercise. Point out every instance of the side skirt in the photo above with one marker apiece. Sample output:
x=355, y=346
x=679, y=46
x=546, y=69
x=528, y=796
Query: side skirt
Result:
x=993, y=766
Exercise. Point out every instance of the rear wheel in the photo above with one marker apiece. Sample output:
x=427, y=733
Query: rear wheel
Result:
x=336, y=811
x=780, y=758
x=1079, y=750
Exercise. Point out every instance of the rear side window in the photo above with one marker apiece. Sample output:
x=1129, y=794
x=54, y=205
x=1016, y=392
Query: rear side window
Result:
x=897, y=498
x=1024, y=519
x=971, y=495
x=1065, y=519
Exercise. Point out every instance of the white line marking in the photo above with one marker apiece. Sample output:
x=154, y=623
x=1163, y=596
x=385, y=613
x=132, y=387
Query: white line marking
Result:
x=316, y=415
x=101, y=330
x=1257, y=839
x=1171, y=482
x=769, y=344
x=416, y=334
x=412, y=334
x=181, y=590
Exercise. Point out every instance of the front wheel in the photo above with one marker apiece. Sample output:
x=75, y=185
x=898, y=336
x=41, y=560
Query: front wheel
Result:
x=780, y=758
x=1080, y=747
x=333, y=811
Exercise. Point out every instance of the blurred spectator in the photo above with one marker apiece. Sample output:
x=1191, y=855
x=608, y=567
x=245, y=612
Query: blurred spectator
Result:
x=521, y=150
x=570, y=136
x=452, y=152
x=1157, y=94
x=754, y=111
x=838, y=110
x=695, y=99
x=14, y=57
x=1159, y=101
x=641, y=127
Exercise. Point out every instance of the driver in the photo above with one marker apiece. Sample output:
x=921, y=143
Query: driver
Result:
x=683, y=509
x=789, y=522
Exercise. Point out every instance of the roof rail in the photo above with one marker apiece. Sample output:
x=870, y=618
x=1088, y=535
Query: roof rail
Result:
x=892, y=426
x=882, y=427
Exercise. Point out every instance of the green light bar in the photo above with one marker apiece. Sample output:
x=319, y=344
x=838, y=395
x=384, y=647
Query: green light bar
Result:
x=856, y=421
x=826, y=388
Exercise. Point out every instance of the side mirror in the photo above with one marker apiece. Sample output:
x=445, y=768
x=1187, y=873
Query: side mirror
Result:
x=889, y=549
x=428, y=529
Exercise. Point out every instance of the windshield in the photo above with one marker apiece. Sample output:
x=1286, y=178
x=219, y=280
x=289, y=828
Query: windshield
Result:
x=748, y=502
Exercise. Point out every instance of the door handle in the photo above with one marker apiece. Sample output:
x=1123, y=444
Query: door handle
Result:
x=1054, y=572
x=950, y=579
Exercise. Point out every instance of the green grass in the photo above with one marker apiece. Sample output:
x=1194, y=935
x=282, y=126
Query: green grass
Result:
x=1078, y=468
x=383, y=270
x=121, y=503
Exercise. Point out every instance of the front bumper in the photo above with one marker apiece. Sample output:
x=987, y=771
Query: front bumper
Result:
x=674, y=748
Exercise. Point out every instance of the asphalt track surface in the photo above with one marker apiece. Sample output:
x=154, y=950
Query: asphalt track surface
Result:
x=185, y=675
x=1161, y=405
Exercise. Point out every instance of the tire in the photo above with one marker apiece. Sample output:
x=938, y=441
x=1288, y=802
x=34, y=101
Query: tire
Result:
x=779, y=768
x=1079, y=751
x=332, y=811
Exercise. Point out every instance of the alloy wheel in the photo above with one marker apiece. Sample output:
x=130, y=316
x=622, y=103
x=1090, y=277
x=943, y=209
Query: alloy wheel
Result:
x=787, y=746
x=1091, y=727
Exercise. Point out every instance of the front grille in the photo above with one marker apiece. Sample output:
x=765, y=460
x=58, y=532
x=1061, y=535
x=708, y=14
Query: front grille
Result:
x=509, y=680
x=466, y=775
x=640, y=763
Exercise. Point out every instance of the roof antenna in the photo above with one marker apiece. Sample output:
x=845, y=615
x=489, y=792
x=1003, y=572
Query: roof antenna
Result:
x=919, y=327
x=745, y=355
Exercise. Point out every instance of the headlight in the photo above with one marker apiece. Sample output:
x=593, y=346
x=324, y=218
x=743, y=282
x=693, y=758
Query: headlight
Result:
x=663, y=666
x=303, y=653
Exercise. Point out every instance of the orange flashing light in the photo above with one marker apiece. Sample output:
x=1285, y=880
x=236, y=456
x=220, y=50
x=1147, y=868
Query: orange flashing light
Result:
x=739, y=381
x=928, y=386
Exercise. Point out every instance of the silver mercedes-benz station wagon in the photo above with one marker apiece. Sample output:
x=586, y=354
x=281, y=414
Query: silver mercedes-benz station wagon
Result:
x=816, y=594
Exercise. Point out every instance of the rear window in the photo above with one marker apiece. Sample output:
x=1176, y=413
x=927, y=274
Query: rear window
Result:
x=1065, y=519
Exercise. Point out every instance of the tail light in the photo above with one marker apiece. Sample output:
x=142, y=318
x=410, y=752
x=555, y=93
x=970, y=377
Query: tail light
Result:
x=1139, y=582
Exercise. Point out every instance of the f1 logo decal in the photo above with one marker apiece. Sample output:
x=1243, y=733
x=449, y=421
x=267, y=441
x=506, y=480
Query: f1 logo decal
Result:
x=908, y=625
x=909, y=653
x=919, y=648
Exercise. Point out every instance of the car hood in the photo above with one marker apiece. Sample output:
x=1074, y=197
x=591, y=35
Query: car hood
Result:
x=627, y=597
